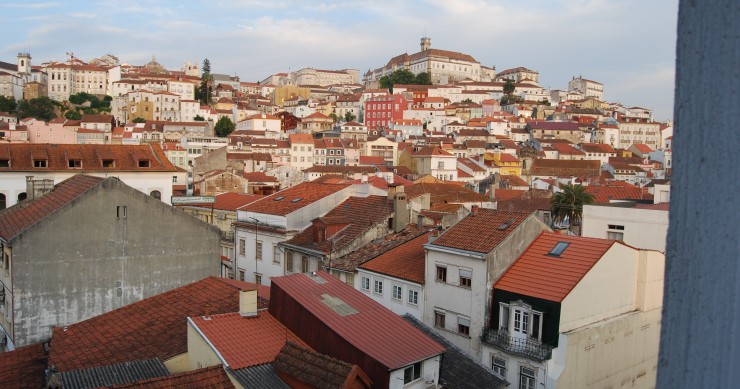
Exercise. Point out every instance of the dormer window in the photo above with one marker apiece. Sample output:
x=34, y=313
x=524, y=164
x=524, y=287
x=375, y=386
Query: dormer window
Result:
x=39, y=163
x=4, y=162
x=143, y=163
x=108, y=163
x=74, y=164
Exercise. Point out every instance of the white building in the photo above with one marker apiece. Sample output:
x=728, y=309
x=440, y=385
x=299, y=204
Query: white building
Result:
x=586, y=87
x=644, y=226
x=436, y=162
x=575, y=312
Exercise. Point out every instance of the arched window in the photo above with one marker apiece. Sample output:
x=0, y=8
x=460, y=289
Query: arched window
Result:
x=156, y=194
x=22, y=196
x=2, y=201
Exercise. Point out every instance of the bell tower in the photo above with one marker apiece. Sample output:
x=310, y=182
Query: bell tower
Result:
x=426, y=43
x=24, y=63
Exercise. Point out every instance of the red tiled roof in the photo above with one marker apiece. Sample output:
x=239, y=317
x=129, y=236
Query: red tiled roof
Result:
x=508, y=194
x=405, y=261
x=259, y=177
x=155, y=327
x=567, y=149
x=300, y=138
x=230, y=201
x=537, y=274
x=372, y=160
x=550, y=126
x=655, y=207
x=358, y=213
x=481, y=233
x=643, y=148
x=373, y=329
x=97, y=119
x=513, y=180
x=125, y=157
x=23, y=367
x=603, y=194
x=281, y=203
x=316, y=370
x=246, y=341
x=597, y=148
x=213, y=377
x=25, y=214
x=445, y=192
x=431, y=151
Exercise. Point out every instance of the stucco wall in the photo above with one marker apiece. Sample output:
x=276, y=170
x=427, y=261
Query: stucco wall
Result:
x=200, y=353
x=643, y=228
x=84, y=261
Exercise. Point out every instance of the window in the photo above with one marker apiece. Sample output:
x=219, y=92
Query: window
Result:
x=397, y=292
x=108, y=163
x=74, y=163
x=242, y=274
x=4, y=163
x=365, y=283
x=526, y=378
x=274, y=254
x=498, y=365
x=304, y=264
x=558, y=249
x=121, y=211
x=412, y=373
x=289, y=261
x=174, y=178
x=258, y=278
x=413, y=297
x=156, y=194
x=439, y=319
x=378, y=287
x=503, y=317
x=441, y=165
x=144, y=163
x=258, y=250
x=465, y=278
x=441, y=274
x=613, y=235
x=350, y=280
x=463, y=326
x=39, y=163
x=242, y=246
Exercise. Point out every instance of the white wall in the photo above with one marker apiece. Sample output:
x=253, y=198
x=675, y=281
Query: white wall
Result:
x=429, y=374
x=399, y=307
x=643, y=228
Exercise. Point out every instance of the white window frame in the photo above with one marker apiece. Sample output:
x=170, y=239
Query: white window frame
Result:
x=397, y=292
x=365, y=283
x=413, y=297
x=378, y=287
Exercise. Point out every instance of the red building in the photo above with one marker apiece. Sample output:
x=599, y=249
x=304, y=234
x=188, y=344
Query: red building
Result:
x=380, y=111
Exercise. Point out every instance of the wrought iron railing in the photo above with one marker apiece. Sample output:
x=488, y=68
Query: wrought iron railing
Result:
x=227, y=236
x=529, y=348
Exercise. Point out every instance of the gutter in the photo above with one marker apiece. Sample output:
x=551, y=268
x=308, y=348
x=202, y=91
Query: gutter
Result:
x=449, y=250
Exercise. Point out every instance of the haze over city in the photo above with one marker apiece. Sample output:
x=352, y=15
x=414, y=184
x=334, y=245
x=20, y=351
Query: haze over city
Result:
x=629, y=46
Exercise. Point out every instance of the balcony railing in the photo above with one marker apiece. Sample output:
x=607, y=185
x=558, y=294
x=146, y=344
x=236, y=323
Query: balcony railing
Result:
x=523, y=347
x=227, y=236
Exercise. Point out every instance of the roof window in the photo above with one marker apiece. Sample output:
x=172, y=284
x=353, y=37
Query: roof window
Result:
x=558, y=249
x=278, y=198
x=143, y=163
x=505, y=225
x=297, y=199
x=39, y=163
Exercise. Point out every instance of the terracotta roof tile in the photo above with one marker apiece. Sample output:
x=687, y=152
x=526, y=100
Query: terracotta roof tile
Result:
x=482, y=232
x=246, y=341
x=23, y=367
x=282, y=202
x=445, y=192
x=27, y=213
x=314, y=369
x=155, y=327
x=351, y=261
x=537, y=274
x=432, y=151
x=230, y=201
x=513, y=180
x=405, y=261
x=603, y=194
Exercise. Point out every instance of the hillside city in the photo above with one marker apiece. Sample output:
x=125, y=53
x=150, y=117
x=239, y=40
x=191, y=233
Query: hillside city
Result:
x=430, y=222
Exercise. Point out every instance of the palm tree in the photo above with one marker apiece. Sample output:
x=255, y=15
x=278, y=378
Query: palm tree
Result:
x=568, y=204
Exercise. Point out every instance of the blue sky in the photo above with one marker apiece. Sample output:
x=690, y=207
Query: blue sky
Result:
x=628, y=45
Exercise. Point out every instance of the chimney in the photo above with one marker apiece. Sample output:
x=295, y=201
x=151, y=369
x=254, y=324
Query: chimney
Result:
x=363, y=178
x=248, y=303
x=420, y=221
x=401, y=210
x=474, y=210
x=207, y=314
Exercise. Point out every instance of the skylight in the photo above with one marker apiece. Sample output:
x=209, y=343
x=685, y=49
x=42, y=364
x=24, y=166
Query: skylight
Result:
x=558, y=249
x=297, y=199
x=278, y=198
x=505, y=225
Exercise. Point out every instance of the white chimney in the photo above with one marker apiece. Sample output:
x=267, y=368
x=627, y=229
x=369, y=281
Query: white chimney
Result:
x=248, y=303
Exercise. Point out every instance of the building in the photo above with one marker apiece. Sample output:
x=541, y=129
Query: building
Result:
x=436, y=162
x=644, y=226
x=143, y=167
x=84, y=247
x=21, y=80
x=443, y=66
x=355, y=329
x=588, y=88
x=575, y=312
x=464, y=263
x=381, y=111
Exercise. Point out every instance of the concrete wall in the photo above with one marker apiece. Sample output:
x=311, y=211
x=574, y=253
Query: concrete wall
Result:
x=200, y=353
x=643, y=228
x=429, y=373
x=84, y=261
x=399, y=307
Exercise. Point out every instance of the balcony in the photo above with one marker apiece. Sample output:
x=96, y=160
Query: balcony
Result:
x=227, y=236
x=523, y=347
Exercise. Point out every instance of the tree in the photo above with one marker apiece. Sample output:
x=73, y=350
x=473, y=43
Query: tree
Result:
x=423, y=79
x=7, y=104
x=509, y=87
x=405, y=77
x=73, y=114
x=568, y=204
x=334, y=117
x=40, y=108
x=349, y=116
x=138, y=120
x=224, y=126
x=199, y=118
x=206, y=81
x=544, y=101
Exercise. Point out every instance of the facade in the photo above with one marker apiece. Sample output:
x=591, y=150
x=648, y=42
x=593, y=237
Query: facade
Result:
x=588, y=88
x=644, y=226
x=575, y=312
x=435, y=162
x=638, y=130
x=143, y=167
x=464, y=263
x=382, y=111
x=93, y=238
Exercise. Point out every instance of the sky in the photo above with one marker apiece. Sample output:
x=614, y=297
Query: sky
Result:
x=628, y=45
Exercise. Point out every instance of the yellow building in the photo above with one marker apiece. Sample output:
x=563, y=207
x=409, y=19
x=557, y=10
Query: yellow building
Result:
x=507, y=163
x=287, y=91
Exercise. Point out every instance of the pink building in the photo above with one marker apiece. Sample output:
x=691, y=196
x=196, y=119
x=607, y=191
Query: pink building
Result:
x=57, y=131
x=380, y=111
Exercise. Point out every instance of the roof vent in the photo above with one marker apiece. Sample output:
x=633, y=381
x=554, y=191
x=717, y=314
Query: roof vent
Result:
x=558, y=249
x=278, y=198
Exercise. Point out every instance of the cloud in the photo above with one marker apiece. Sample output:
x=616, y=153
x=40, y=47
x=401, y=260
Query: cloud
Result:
x=31, y=5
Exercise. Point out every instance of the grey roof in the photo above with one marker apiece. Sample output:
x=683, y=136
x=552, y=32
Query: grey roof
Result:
x=120, y=373
x=262, y=376
x=459, y=371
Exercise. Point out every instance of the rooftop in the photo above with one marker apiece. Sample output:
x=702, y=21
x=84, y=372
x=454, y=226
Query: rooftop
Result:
x=482, y=232
x=404, y=261
x=351, y=261
x=282, y=203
